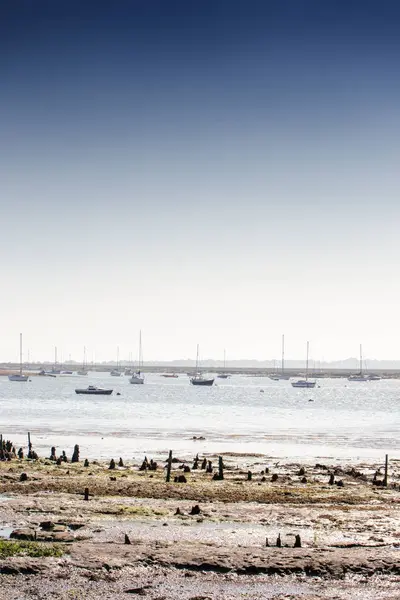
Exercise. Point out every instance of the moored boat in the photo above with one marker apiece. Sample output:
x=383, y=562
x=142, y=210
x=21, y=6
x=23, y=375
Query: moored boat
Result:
x=137, y=378
x=305, y=383
x=92, y=389
x=19, y=376
x=198, y=378
x=360, y=376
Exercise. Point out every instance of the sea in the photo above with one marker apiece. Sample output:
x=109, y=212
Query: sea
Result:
x=338, y=420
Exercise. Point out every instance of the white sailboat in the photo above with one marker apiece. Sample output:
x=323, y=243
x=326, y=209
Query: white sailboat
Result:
x=224, y=374
x=116, y=372
x=137, y=378
x=305, y=383
x=282, y=375
x=360, y=376
x=84, y=370
x=19, y=376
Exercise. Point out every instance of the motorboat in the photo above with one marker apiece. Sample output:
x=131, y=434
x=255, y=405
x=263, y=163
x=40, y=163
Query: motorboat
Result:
x=82, y=372
x=200, y=380
x=19, y=376
x=223, y=375
x=170, y=375
x=93, y=390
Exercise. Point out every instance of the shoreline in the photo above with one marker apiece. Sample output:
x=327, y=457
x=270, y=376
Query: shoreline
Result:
x=346, y=532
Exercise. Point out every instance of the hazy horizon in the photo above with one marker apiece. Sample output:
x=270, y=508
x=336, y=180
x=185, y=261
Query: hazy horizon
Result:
x=215, y=172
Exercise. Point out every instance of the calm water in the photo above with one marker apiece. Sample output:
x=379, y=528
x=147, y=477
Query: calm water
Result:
x=345, y=420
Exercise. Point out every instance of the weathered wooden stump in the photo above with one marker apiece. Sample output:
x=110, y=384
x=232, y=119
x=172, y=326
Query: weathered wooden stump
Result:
x=23, y=477
x=204, y=464
x=112, y=464
x=169, y=466
x=86, y=463
x=120, y=462
x=297, y=542
x=279, y=541
x=331, y=479
x=301, y=472
x=209, y=468
x=75, y=455
x=274, y=477
x=20, y=453
x=249, y=475
x=53, y=454
x=127, y=541
x=86, y=495
x=195, y=510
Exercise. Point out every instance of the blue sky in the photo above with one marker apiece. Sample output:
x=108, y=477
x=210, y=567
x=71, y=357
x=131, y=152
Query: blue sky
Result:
x=212, y=172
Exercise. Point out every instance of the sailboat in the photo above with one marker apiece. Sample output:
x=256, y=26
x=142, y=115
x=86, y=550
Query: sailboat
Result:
x=282, y=374
x=224, y=374
x=116, y=372
x=19, y=376
x=360, y=375
x=198, y=378
x=304, y=383
x=55, y=370
x=138, y=377
x=84, y=370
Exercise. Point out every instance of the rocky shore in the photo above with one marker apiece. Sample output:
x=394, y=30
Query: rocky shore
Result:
x=265, y=529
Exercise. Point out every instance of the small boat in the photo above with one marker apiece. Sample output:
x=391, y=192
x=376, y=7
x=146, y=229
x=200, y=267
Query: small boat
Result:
x=373, y=377
x=137, y=378
x=116, y=372
x=83, y=372
x=66, y=373
x=92, y=389
x=282, y=376
x=43, y=373
x=198, y=378
x=360, y=376
x=19, y=376
x=304, y=383
x=170, y=375
x=224, y=374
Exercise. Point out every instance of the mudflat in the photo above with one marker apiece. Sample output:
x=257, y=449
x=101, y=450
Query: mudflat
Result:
x=200, y=538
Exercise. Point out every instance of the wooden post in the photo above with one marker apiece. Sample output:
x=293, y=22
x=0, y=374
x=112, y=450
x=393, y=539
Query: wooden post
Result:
x=220, y=468
x=169, y=465
x=86, y=494
x=29, y=446
x=385, y=479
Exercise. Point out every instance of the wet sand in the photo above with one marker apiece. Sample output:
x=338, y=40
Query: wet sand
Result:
x=350, y=535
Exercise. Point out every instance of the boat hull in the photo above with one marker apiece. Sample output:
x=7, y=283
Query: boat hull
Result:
x=95, y=392
x=205, y=382
x=303, y=384
x=18, y=377
x=136, y=380
x=222, y=376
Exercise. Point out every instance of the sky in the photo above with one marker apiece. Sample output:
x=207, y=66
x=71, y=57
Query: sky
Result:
x=212, y=172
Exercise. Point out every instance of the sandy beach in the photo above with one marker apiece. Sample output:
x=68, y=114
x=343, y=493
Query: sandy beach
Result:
x=203, y=538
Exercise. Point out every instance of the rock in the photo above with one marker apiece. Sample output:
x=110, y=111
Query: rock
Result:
x=274, y=477
x=74, y=526
x=301, y=472
x=62, y=536
x=46, y=525
x=195, y=510
x=25, y=533
x=23, y=477
x=127, y=541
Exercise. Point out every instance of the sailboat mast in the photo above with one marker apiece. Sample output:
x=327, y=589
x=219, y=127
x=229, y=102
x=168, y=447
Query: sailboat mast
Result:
x=361, y=364
x=308, y=347
x=84, y=358
x=20, y=353
x=197, y=359
x=55, y=356
x=140, y=349
x=224, y=358
x=283, y=354
x=117, y=358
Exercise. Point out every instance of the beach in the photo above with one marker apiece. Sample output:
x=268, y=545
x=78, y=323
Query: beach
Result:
x=203, y=537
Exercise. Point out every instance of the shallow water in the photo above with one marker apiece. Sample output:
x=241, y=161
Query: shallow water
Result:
x=344, y=420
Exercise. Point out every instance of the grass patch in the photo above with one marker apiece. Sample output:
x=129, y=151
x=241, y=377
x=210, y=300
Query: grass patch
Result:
x=35, y=549
x=142, y=511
